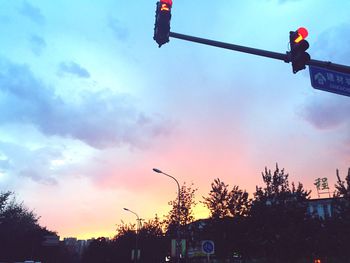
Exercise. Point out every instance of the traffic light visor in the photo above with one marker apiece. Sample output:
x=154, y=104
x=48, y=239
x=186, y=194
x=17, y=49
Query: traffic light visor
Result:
x=301, y=34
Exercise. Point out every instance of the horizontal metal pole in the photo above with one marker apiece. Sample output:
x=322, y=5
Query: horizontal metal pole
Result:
x=261, y=52
x=254, y=51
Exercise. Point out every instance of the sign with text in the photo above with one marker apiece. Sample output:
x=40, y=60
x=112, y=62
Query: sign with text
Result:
x=322, y=185
x=330, y=80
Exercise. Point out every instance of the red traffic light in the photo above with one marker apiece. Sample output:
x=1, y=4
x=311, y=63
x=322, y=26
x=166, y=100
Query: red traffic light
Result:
x=165, y=5
x=169, y=2
x=302, y=34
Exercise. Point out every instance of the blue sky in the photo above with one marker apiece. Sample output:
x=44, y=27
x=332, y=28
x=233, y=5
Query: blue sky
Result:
x=89, y=104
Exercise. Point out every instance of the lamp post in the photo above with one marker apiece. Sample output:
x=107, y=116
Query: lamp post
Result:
x=178, y=213
x=137, y=233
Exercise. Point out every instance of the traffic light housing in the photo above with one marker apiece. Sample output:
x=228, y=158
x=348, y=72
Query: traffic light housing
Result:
x=298, y=46
x=162, y=24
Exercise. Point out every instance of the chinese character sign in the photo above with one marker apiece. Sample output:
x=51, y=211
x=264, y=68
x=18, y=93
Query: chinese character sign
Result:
x=321, y=184
x=324, y=184
x=318, y=183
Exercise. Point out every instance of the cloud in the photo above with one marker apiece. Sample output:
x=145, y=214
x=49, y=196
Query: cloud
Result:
x=73, y=69
x=4, y=164
x=333, y=45
x=32, y=13
x=331, y=111
x=34, y=164
x=119, y=30
x=327, y=113
x=100, y=119
x=37, y=44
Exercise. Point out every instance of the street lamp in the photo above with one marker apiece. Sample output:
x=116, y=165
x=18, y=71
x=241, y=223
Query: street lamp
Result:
x=178, y=212
x=137, y=232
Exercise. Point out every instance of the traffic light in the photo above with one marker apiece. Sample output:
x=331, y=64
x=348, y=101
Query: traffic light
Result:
x=162, y=24
x=298, y=47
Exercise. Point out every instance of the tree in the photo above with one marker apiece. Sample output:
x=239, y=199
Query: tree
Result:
x=239, y=203
x=223, y=203
x=226, y=208
x=278, y=219
x=153, y=243
x=99, y=250
x=218, y=200
x=343, y=188
x=21, y=235
x=187, y=203
x=342, y=195
x=339, y=224
x=153, y=227
x=150, y=238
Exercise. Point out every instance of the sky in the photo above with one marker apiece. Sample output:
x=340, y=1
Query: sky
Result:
x=89, y=105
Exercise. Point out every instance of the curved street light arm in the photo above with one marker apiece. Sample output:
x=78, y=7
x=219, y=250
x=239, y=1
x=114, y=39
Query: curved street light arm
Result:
x=126, y=209
x=172, y=177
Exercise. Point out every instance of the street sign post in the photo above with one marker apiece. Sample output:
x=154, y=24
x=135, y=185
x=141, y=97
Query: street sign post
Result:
x=330, y=80
x=208, y=248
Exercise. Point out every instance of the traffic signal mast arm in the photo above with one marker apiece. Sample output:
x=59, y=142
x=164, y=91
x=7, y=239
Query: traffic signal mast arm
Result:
x=259, y=52
x=254, y=51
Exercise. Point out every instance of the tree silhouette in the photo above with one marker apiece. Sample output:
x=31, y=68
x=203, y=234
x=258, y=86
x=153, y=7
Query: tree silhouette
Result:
x=342, y=203
x=99, y=250
x=343, y=188
x=239, y=203
x=226, y=208
x=277, y=219
x=223, y=203
x=21, y=236
x=151, y=242
x=218, y=200
x=339, y=225
x=187, y=203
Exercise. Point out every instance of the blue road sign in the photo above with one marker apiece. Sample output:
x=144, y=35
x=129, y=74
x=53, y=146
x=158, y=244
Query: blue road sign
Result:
x=208, y=247
x=330, y=80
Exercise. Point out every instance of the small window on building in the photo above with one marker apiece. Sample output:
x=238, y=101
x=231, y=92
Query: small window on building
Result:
x=326, y=211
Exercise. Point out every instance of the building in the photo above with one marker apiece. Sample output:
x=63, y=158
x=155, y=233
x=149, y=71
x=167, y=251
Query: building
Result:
x=322, y=207
x=75, y=245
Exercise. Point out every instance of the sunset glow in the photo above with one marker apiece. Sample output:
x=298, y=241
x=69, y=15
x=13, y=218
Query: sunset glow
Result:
x=89, y=105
